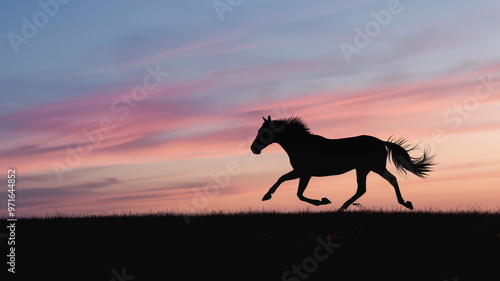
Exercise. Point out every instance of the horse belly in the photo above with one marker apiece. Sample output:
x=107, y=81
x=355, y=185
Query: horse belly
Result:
x=325, y=165
x=330, y=171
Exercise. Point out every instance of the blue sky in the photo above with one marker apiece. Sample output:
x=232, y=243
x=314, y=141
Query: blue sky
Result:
x=87, y=37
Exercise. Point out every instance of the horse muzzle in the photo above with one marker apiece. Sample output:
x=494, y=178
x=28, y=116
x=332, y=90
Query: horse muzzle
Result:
x=255, y=150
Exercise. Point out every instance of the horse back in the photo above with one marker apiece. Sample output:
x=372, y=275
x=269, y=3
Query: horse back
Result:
x=321, y=156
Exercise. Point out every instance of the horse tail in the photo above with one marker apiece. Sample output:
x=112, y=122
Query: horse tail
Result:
x=398, y=151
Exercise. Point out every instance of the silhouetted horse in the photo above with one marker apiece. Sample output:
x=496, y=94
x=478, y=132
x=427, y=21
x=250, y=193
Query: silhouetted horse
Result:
x=313, y=155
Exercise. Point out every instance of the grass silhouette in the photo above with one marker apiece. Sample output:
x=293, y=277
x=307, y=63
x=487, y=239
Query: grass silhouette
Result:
x=259, y=245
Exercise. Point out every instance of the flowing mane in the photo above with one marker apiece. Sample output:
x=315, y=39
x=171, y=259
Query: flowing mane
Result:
x=294, y=125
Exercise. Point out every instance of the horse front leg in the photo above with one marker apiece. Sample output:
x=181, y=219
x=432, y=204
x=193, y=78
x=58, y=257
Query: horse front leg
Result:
x=288, y=176
x=361, y=179
x=302, y=186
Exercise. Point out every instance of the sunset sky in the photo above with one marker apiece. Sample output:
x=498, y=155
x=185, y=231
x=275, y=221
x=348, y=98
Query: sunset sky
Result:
x=111, y=106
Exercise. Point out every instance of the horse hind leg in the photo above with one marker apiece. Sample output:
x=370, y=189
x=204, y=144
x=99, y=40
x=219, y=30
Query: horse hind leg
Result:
x=394, y=182
x=302, y=186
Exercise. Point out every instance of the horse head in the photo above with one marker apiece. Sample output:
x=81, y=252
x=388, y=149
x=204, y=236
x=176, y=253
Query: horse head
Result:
x=266, y=135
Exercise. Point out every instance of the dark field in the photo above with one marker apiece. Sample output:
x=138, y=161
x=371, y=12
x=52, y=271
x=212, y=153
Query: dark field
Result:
x=261, y=246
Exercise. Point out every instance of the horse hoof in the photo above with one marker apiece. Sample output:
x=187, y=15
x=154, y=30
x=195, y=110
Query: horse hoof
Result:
x=409, y=205
x=266, y=197
x=341, y=210
x=325, y=201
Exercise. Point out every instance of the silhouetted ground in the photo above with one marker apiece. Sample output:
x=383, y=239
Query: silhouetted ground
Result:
x=253, y=246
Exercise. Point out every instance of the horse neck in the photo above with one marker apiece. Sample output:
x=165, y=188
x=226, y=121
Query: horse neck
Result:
x=292, y=144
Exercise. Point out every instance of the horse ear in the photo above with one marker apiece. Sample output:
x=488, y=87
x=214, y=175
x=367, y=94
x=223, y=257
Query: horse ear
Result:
x=264, y=119
x=268, y=118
